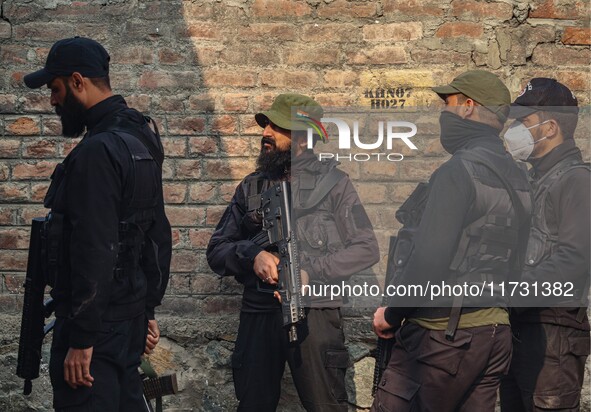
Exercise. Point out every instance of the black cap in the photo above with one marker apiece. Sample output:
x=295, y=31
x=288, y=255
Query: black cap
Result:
x=67, y=56
x=543, y=94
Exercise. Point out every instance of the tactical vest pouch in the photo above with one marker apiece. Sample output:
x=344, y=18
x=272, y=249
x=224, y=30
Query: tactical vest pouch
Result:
x=52, y=241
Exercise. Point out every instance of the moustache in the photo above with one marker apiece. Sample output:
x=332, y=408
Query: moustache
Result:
x=266, y=140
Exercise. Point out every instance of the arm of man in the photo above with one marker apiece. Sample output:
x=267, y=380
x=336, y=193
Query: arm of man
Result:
x=230, y=252
x=571, y=205
x=93, y=198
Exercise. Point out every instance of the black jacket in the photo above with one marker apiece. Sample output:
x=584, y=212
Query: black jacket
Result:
x=93, y=195
x=231, y=252
x=568, y=219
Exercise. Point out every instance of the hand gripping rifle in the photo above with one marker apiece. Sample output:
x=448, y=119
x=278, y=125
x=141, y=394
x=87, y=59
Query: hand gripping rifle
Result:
x=399, y=252
x=33, y=328
x=276, y=208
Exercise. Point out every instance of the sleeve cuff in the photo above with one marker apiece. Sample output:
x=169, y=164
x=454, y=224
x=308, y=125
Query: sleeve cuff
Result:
x=393, y=317
x=81, y=339
x=150, y=313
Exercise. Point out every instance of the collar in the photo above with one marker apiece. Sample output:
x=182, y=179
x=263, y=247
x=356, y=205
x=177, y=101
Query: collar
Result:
x=566, y=149
x=102, y=109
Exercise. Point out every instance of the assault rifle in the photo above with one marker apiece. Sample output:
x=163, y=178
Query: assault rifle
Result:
x=399, y=252
x=33, y=328
x=276, y=209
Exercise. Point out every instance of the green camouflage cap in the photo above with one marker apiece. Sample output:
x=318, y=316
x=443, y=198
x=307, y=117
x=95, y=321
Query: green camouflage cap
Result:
x=484, y=87
x=291, y=111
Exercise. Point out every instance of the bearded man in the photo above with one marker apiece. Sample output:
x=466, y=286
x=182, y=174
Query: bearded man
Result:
x=108, y=240
x=336, y=241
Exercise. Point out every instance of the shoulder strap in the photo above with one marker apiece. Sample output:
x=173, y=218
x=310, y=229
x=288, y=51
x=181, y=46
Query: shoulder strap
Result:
x=324, y=186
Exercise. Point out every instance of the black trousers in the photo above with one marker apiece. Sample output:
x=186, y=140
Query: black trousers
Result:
x=114, y=366
x=318, y=361
x=428, y=373
x=547, y=368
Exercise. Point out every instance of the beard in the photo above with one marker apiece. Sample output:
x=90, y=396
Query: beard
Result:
x=274, y=163
x=72, y=115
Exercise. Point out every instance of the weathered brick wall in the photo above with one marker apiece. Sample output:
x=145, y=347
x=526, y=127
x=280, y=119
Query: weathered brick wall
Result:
x=202, y=68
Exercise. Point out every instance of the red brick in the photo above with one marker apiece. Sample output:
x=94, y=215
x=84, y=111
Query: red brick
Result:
x=14, y=192
x=188, y=169
x=417, y=170
x=26, y=214
x=460, y=29
x=170, y=56
x=207, y=55
x=5, y=30
x=292, y=79
x=140, y=102
x=14, y=283
x=379, y=55
x=576, y=35
x=13, y=260
x=203, y=102
x=481, y=9
x=237, y=54
x=169, y=104
x=559, y=9
x=38, y=192
x=7, y=216
x=280, y=8
x=224, y=125
x=320, y=55
x=426, y=56
x=14, y=238
x=393, y=31
x=201, y=30
x=132, y=55
x=140, y=30
x=275, y=31
x=214, y=214
x=237, y=146
x=185, y=216
x=51, y=126
x=40, y=149
x=17, y=11
x=168, y=80
x=4, y=171
x=7, y=103
x=184, y=126
x=179, y=284
x=202, y=146
x=335, y=99
x=550, y=55
x=199, y=238
x=373, y=193
x=331, y=32
x=75, y=9
x=176, y=237
x=175, y=147
x=235, y=102
x=168, y=169
x=340, y=78
x=414, y=8
x=37, y=103
x=174, y=192
x=23, y=126
x=42, y=31
x=205, y=285
x=13, y=54
x=68, y=145
x=344, y=9
x=229, y=78
x=222, y=305
x=9, y=148
x=378, y=171
x=249, y=126
x=37, y=170
x=227, y=190
x=202, y=192
x=228, y=169
x=124, y=80
x=198, y=10
x=184, y=261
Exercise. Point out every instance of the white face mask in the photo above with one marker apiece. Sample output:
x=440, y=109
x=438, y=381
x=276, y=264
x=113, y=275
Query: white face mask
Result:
x=520, y=141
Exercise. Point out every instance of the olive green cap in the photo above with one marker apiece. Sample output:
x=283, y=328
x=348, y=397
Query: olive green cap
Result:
x=484, y=87
x=291, y=111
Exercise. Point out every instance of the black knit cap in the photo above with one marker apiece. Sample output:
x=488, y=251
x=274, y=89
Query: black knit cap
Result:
x=544, y=94
x=77, y=54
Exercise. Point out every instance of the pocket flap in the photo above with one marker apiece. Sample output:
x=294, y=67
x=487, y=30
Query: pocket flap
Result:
x=552, y=402
x=336, y=359
x=461, y=338
x=399, y=385
x=579, y=346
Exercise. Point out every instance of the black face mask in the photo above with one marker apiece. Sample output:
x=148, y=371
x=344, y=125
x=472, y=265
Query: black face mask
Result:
x=72, y=115
x=456, y=132
x=274, y=163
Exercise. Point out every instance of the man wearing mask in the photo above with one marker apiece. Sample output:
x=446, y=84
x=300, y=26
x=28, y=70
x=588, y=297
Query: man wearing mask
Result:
x=108, y=241
x=449, y=353
x=551, y=344
x=336, y=240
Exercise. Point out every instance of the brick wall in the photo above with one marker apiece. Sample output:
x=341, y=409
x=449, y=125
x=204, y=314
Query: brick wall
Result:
x=202, y=68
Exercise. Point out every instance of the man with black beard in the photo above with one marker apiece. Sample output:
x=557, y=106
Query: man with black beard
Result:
x=336, y=240
x=450, y=353
x=108, y=241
